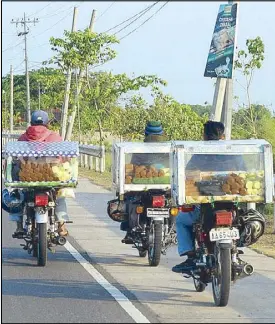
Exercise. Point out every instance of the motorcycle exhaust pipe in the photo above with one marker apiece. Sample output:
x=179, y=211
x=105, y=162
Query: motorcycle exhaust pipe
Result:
x=248, y=269
x=61, y=240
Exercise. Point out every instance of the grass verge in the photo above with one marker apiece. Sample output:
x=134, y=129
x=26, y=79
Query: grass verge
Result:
x=265, y=245
x=102, y=179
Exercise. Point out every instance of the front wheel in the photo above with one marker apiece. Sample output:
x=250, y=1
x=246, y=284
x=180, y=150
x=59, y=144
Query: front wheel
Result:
x=42, y=244
x=222, y=278
x=155, y=239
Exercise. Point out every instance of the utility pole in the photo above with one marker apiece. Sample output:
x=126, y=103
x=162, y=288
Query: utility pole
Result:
x=222, y=106
x=24, y=23
x=11, y=99
x=39, y=95
x=5, y=109
x=64, y=114
x=78, y=90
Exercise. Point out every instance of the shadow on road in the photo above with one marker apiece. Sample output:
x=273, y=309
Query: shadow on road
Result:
x=43, y=288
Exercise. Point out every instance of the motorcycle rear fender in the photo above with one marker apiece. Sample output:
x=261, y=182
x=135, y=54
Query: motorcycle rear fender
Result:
x=225, y=244
x=41, y=216
x=158, y=219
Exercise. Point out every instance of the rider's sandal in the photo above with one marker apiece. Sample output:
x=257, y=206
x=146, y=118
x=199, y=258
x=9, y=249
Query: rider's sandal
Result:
x=62, y=231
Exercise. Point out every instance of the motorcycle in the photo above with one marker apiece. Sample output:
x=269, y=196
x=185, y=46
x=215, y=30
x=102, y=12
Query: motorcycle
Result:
x=217, y=258
x=40, y=227
x=154, y=229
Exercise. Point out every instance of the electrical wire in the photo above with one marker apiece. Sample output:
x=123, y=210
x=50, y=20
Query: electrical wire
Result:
x=39, y=10
x=142, y=14
x=145, y=9
x=144, y=21
x=8, y=48
x=109, y=7
x=59, y=12
x=57, y=21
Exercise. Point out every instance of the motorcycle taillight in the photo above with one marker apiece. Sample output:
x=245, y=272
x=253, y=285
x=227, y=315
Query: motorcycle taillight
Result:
x=186, y=208
x=41, y=200
x=224, y=217
x=158, y=201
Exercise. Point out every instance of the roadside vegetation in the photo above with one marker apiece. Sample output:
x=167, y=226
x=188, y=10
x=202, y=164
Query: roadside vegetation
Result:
x=116, y=103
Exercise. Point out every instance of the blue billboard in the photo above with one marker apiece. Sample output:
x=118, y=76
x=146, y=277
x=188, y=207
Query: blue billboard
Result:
x=221, y=54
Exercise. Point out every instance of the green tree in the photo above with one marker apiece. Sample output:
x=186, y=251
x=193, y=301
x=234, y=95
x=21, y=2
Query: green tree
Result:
x=103, y=92
x=248, y=61
x=179, y=121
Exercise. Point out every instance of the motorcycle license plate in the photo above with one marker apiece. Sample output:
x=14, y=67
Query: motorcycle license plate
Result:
x=217, y=234
x=158, y=212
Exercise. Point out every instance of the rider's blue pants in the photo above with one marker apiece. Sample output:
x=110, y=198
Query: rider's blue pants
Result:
x=184, y=227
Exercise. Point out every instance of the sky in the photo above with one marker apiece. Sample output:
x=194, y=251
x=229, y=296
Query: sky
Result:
x=173, y=44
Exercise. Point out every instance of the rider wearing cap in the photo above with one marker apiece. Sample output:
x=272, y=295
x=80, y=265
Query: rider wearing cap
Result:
x=12, y=202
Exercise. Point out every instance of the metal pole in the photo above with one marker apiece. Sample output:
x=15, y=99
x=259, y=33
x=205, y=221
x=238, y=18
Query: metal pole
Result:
x=81, y=74
x=27, y=74
x=11, y=99
x=64, y=114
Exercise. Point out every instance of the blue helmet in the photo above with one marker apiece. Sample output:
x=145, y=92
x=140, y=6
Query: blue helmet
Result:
x=39, y=117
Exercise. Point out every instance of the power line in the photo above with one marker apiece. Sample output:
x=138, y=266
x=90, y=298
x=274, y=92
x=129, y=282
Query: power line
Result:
x=39, y=10
x=12, y=46
x=146, y=9
x=139, y=16
x=57, y=21
x=58, y=13
x=109, y=7
x=145, y=21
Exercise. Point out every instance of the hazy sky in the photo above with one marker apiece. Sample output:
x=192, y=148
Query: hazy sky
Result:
x=173, y=44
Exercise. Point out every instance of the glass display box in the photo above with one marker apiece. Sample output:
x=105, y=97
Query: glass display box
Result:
x=41, y=164
x=140, y=166
x=211, y=171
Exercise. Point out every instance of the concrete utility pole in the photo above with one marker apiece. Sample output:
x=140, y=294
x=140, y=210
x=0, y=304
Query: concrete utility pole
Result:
x=39, y=95
x=64, y=114
x=5, y=107
x=81, y=75
x=11, y=99
x=24, y=22
x=222, y=106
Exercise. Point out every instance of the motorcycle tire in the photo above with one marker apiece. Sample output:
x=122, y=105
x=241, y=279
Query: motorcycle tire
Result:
x=42, y=244
x=34, y=240
x=154, y=250
x=222, y=280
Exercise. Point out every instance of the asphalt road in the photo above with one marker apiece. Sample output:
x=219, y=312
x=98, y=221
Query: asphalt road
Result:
x=96, y=278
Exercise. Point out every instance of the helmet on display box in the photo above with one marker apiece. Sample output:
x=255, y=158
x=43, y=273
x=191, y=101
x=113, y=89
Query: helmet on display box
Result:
x=117, y=210
x=252, y=227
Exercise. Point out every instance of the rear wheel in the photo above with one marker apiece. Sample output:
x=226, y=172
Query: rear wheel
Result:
x=222, y=279
x=155, y=238
x=42, y=244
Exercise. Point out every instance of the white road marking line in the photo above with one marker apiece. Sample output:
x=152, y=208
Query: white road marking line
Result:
x=123, y=301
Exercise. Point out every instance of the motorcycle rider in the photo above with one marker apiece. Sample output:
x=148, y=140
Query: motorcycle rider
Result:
x=12, y=202
x=153, y=133
x=212, y=131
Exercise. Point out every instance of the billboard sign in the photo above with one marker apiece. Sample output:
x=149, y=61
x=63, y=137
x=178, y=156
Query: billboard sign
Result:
x=221, y=54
